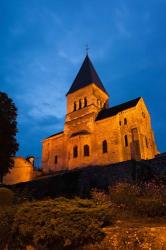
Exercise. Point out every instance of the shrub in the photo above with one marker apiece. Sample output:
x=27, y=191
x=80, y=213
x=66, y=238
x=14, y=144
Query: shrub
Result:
x=100, y=197
x=59, y=224
x=150, y=207
x=6, y=197
x=148, y=199
x=124, y=193
x=154, y=190
x=6, y=220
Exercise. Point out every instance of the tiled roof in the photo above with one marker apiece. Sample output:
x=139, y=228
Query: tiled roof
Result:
x=86, y=75
x=55, y=134
x=82, y=132
x=116, y=109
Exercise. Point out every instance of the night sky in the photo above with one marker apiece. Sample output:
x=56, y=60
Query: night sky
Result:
x=42, y=46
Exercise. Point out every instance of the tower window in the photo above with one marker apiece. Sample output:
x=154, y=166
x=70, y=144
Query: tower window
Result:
x=120, y=123
x=75, y=152
x=85, y=102
x=126, y=141
x=56, y=159
x=86, y=150
x=80, y=104
x=104, y=146
x=75, y=106
x=125, y=121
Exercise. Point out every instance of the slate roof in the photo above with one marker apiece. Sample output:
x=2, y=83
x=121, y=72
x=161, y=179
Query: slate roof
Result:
x=55, y=134
x=86, y=75
x=116, y=109
x=82, y=132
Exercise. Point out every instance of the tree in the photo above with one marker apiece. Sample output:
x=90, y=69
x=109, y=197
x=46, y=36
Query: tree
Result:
x=8, y=130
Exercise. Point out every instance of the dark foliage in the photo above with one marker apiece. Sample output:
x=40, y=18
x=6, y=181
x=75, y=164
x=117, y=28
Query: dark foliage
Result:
x=8, y=130
x=54, y=224
x=6, y=197
x=6, y=220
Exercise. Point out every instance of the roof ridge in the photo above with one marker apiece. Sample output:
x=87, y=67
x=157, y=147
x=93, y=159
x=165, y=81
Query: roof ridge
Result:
x=104, y=113
x=135, y=99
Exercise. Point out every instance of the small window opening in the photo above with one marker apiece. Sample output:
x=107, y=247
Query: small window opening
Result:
x=104, y=146
x=146, y=141
x=86, y=150
x=75, y=152
x=125, y=121
x=143, y=114
x=80, y=104
x=75, y=106
x=85, y=102
x=126, y=141
x=56, y=159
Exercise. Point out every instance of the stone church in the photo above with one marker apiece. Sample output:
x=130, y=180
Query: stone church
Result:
x=94, y=133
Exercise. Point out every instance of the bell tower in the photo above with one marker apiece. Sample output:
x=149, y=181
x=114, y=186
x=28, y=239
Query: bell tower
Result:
x=87, y=95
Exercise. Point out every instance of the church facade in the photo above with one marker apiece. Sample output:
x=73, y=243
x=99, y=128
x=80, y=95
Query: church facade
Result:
x=96, y=134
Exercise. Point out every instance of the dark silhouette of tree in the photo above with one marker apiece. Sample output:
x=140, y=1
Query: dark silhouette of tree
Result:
x=8, y=130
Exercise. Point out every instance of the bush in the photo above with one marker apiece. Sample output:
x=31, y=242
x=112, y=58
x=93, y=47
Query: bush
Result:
x=150, y=207
x=146, y=199
x=124, y=193
x=6, y=197
x=59, y=224
x=154, y=190
x=6, y=220
x=100, y=197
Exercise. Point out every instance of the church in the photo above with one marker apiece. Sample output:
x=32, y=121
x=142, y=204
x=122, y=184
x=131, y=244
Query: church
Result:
x=94, y=133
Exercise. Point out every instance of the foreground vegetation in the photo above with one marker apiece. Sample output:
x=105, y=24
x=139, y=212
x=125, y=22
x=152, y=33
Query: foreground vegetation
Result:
x=76, y=223
x=53, y=224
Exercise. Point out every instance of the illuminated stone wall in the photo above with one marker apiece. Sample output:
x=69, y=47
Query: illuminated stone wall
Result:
x=54, y=154
x=21, y=172
x=81, y=128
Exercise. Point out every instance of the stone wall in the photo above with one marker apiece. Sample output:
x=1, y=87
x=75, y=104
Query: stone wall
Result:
x=21, y=172
x=80, y=182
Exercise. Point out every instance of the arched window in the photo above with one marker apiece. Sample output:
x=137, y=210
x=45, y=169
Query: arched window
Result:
x=120, y=123
x=80, y=104
x=86, y=150
x=125, y=121
x=75, y=106
x=56, y=159
x=75, y=152
x=126, y=141
x=104, y=146
x=85, y=102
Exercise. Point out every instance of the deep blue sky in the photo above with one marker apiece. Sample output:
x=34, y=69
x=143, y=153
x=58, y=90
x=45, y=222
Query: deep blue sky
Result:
x=42, y=45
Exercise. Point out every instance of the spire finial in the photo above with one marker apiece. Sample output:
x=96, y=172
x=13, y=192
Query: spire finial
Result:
x=87, y=49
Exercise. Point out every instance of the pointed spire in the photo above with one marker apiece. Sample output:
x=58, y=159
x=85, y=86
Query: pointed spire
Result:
x=86, y=75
